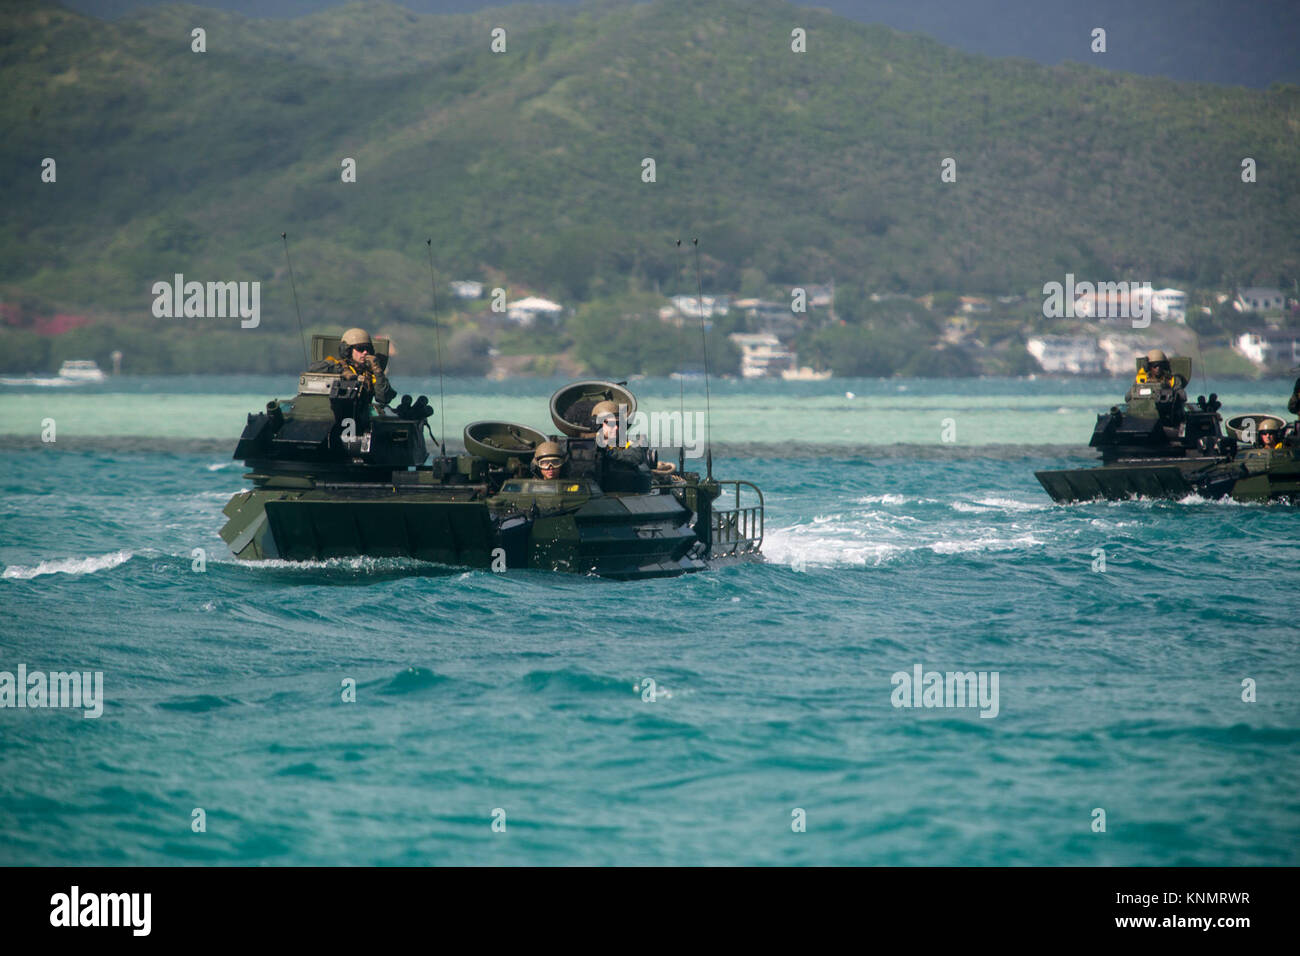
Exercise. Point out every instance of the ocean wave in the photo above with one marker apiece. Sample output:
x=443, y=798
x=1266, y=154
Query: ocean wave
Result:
x=830, y=542
x=990, y=543
x=88, y=565
x=986, y=505
x=362, y=563
x=890, y=498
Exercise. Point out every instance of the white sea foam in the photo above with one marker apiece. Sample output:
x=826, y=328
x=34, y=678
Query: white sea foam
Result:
x=809, y=547
x=89, y=565
x=355, y=563
x=1022, y=542
x=982, y=505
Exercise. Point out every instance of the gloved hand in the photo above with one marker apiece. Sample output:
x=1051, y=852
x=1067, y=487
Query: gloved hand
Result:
x=372, y=363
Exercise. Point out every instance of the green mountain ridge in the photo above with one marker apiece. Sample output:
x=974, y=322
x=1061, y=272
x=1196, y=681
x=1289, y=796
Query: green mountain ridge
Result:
x=525, y=166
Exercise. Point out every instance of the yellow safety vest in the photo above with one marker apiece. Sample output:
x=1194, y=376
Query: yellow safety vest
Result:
x=361, y=373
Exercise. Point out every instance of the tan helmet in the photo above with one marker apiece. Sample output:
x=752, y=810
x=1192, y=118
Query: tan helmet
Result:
x=355, y=337
x=1268, y=425
x=1157, y=355
x=547, y=449
x=602, y=409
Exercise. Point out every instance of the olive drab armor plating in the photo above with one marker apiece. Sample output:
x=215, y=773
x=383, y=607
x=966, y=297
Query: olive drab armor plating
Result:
x=1160, y=446
x=334, y=478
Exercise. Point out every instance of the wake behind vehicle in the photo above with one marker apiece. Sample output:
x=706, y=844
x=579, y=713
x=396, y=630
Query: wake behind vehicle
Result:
x=1159, y=446
x=334, y=476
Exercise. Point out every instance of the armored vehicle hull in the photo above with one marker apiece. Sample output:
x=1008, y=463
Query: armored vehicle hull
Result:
x=1252, y=474
x=547, y=525
x=1169, y=449
x=334, y=478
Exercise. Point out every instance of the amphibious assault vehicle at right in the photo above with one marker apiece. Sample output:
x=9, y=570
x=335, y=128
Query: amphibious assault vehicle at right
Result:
x=1160, y=446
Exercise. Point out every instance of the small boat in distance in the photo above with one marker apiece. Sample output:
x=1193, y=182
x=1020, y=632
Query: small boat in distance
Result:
x=81, y=370
x=805, y=373
x=71, y=372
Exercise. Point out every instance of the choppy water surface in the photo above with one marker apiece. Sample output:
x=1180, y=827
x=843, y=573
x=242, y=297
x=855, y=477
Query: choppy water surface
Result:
x=1119, y=689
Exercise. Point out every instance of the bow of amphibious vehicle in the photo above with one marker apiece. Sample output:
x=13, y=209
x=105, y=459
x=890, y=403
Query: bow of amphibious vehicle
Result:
x=1159, y=446
x=335, y=478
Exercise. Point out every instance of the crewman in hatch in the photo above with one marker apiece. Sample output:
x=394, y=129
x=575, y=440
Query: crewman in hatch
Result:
x=1268, y=433
x=548, y=461
x=1157, y=371
x=628, y=454
x=357, y=360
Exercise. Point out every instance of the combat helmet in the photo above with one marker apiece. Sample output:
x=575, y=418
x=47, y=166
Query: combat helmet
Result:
x=547, y=449
x=603, y=409
x=1157, y=357
x=354, y=337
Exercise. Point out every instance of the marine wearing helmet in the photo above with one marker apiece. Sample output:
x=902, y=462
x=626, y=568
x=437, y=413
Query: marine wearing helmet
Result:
x=1157, y=392
x=548, y=460
x=358, y=361
x=1268, y=432
x=627, y=452
x=1157, y=371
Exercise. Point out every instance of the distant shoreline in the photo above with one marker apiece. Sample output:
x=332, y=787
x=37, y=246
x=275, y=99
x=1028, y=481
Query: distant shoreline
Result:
x=219, y=448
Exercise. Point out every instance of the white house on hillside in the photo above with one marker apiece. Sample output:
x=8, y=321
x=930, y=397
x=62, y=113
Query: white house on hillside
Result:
x=761, y=354
x=1169, y=304
x=527, y=311
x=466, y=289
x=1259, y=299
x=1072, y=354
x=1267, y=347
x=695, y=307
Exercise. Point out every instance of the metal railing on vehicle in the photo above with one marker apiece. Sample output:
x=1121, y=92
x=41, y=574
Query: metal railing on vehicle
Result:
x=738, y=525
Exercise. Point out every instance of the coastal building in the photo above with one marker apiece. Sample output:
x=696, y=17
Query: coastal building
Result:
x=761, y=354
x=1259, y=299
x=1169, y=305
x=1269, y=346
x=1067, y=354
x=974, y=305
x=466, y=289
x=526, y=312
x=683, y=307
x=1111, y=303
x=820, y=296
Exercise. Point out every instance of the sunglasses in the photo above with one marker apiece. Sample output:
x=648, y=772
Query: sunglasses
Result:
x=363, y=348
x=609, y=421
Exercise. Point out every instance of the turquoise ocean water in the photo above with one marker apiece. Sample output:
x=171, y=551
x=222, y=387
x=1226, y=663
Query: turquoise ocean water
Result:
x=524, y=692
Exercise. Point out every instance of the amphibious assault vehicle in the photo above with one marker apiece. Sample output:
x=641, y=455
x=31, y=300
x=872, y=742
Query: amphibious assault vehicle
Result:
x=335, y=476
x=1160, y=446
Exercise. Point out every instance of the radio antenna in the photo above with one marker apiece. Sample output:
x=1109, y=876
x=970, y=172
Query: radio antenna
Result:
x=681, y=369
x=302, y=335
x=708, y=411
x=437, y=341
